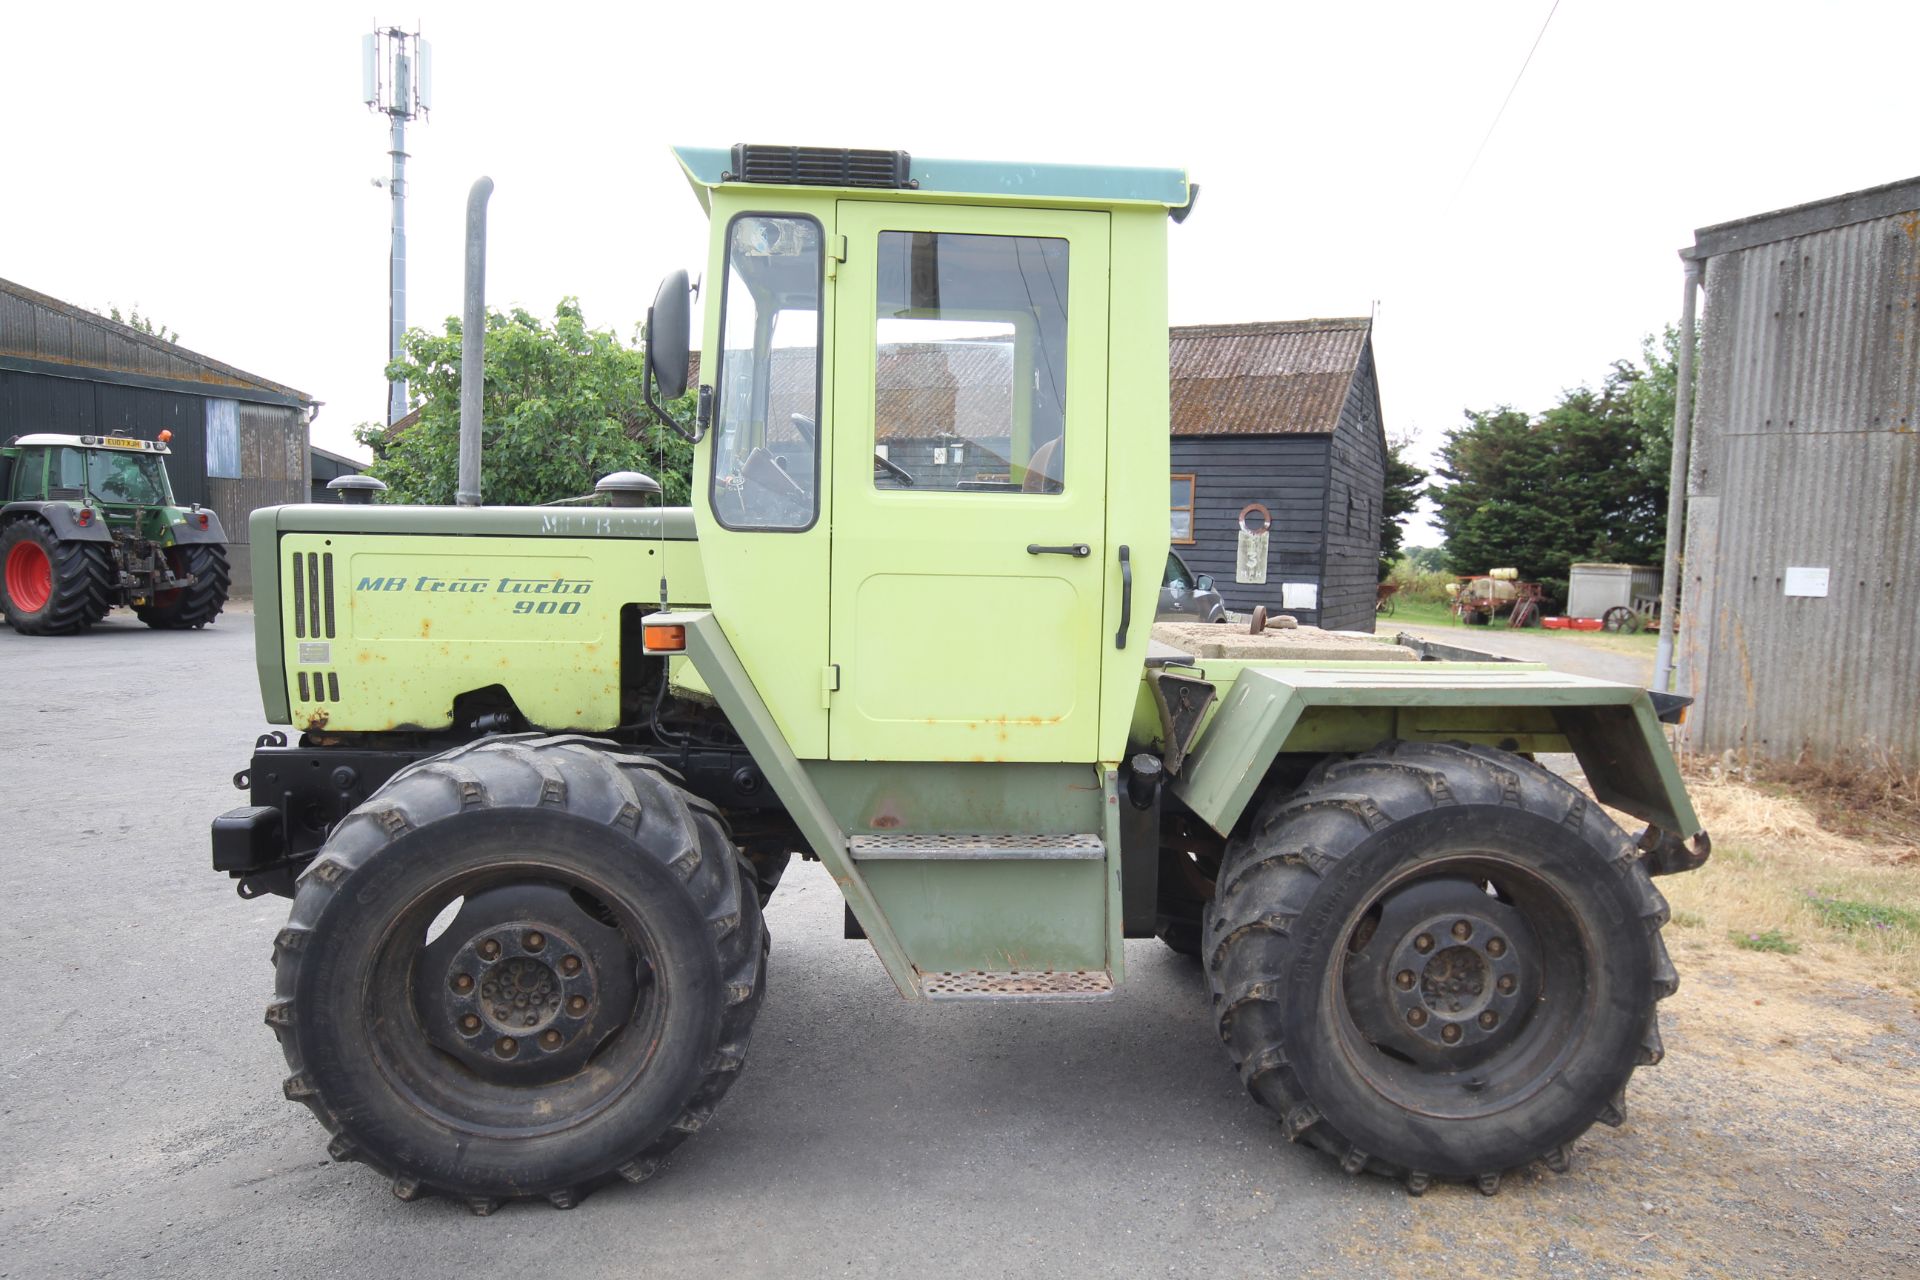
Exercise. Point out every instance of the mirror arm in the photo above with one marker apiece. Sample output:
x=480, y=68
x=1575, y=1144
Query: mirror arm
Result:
x=646, y=393
x=666, y=419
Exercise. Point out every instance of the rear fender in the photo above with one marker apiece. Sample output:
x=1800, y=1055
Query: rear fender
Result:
x=59, y=517
x=187, y=531
x=1611, y=728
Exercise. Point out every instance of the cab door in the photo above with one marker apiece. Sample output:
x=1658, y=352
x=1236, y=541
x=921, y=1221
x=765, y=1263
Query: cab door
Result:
x=969, y=507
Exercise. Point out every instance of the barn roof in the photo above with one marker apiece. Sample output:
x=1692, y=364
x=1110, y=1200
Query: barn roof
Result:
x=1270, y=377
x=41, y=334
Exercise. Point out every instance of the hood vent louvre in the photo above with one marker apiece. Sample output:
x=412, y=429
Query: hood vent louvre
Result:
x=312, y=575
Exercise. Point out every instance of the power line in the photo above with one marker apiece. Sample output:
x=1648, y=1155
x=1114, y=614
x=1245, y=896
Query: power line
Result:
x=1498, y=115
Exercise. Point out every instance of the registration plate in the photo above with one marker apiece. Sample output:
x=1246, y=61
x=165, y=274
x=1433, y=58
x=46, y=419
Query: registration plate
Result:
x=119, y=443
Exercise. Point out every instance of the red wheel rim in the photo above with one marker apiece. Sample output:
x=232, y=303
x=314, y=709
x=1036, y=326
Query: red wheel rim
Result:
x=29, y=577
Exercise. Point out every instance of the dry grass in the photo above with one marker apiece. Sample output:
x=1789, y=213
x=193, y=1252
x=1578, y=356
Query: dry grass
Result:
x=1783, y=868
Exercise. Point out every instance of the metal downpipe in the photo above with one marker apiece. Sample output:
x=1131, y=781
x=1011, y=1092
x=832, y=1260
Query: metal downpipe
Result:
x=473, y=345
x=1677, y=477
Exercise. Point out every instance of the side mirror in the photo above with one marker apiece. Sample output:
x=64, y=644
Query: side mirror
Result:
x=1203, y=582
x=669, y=337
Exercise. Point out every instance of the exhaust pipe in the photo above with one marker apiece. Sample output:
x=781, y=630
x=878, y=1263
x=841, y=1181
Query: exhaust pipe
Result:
x=473, y=345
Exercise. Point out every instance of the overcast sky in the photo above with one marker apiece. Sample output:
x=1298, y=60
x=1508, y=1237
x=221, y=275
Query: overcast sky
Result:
x=213, y=164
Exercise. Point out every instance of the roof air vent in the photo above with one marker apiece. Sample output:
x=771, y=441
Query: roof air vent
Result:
x=819, y=167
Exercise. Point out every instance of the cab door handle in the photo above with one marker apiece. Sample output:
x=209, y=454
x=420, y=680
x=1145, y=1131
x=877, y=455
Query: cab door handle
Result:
x=1078, y=550
x=1126, y=599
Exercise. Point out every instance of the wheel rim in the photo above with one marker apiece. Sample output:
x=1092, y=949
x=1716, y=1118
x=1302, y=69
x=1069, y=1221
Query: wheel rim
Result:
x=29, y=577
x=1458, y=1001
x=537, y=1005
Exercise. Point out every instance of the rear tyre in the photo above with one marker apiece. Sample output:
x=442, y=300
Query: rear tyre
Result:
x=193, y=606
x=1437, y=962
x=521, y=969
x=52, y=588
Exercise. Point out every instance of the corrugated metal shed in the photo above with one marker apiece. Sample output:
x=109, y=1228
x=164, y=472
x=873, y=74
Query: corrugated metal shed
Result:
x=1267, y=378
x=1800, y=610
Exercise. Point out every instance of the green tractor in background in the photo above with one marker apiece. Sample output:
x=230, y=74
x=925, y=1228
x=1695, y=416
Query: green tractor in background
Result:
x=89, y=522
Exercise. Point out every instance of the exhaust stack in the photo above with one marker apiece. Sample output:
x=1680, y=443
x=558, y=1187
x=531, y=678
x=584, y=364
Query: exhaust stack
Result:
x=473, y=345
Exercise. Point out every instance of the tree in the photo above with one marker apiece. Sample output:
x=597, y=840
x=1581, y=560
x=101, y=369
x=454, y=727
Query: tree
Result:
x=562, y=406
x=1586, y=480
x=1427, y=559
x=1404, y=485
x=143, y=324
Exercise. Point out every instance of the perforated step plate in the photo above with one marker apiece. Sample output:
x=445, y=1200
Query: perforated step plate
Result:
x=1076, y=984
x=989, y=847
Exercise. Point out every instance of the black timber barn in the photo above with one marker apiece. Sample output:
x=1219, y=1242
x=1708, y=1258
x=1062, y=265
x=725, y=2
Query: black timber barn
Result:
x=239, y=441
x=1277, y=429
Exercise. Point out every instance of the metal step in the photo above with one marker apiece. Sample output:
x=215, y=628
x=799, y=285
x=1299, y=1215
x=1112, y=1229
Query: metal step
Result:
x=988, y=847
x=1076, y=984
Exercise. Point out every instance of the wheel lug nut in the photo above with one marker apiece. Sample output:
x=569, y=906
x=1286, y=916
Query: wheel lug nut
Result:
x=1489, y=1019
x=1423, y=943
x=1404, y=979
x=1496, y=946
x=550, y=1040
x=506, y=1046
x=534, y=941
x=463, y=982
x=469, y=1024
x=489, y=949
x=570, y=966
x=1462, y=930
x=576, y=1004
x=1417, y=1017
x=1450, y=1033
x=1505, y=984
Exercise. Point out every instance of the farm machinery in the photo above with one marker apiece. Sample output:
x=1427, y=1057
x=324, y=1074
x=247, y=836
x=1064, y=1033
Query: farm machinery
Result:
x=547, y=765
x=88, y=522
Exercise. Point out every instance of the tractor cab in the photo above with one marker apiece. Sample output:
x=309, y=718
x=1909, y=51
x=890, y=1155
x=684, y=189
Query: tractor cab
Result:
x=937, y=404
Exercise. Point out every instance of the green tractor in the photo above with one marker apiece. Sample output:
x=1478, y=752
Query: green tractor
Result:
x=551, y=762
x=89, y=522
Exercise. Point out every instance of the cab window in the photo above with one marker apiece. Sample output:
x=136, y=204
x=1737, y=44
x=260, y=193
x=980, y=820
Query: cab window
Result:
x=67, y=478
x=766, y=439
x=970, y=363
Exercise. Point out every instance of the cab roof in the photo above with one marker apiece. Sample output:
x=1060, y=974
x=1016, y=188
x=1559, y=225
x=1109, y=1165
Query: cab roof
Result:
x=709, y=167
x=126, y=444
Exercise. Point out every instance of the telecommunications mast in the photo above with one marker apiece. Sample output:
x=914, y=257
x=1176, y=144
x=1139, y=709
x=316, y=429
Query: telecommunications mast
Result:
x=396, y=79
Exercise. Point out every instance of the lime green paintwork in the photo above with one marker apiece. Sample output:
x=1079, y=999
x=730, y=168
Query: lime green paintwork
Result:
x=768, y=589
x=873, y=797
x=709, y=649
x=432, y=603
x=941, y=582
x=928, y=582
x=1318, y=709
x=989, y=914
x=903, y=665
x=995, y=916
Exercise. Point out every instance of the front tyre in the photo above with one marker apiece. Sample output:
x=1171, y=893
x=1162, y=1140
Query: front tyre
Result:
x=1437, y=961
x=521, y=969
x=49, y=587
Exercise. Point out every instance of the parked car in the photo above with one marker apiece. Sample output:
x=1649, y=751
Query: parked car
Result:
x=1188, y=597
